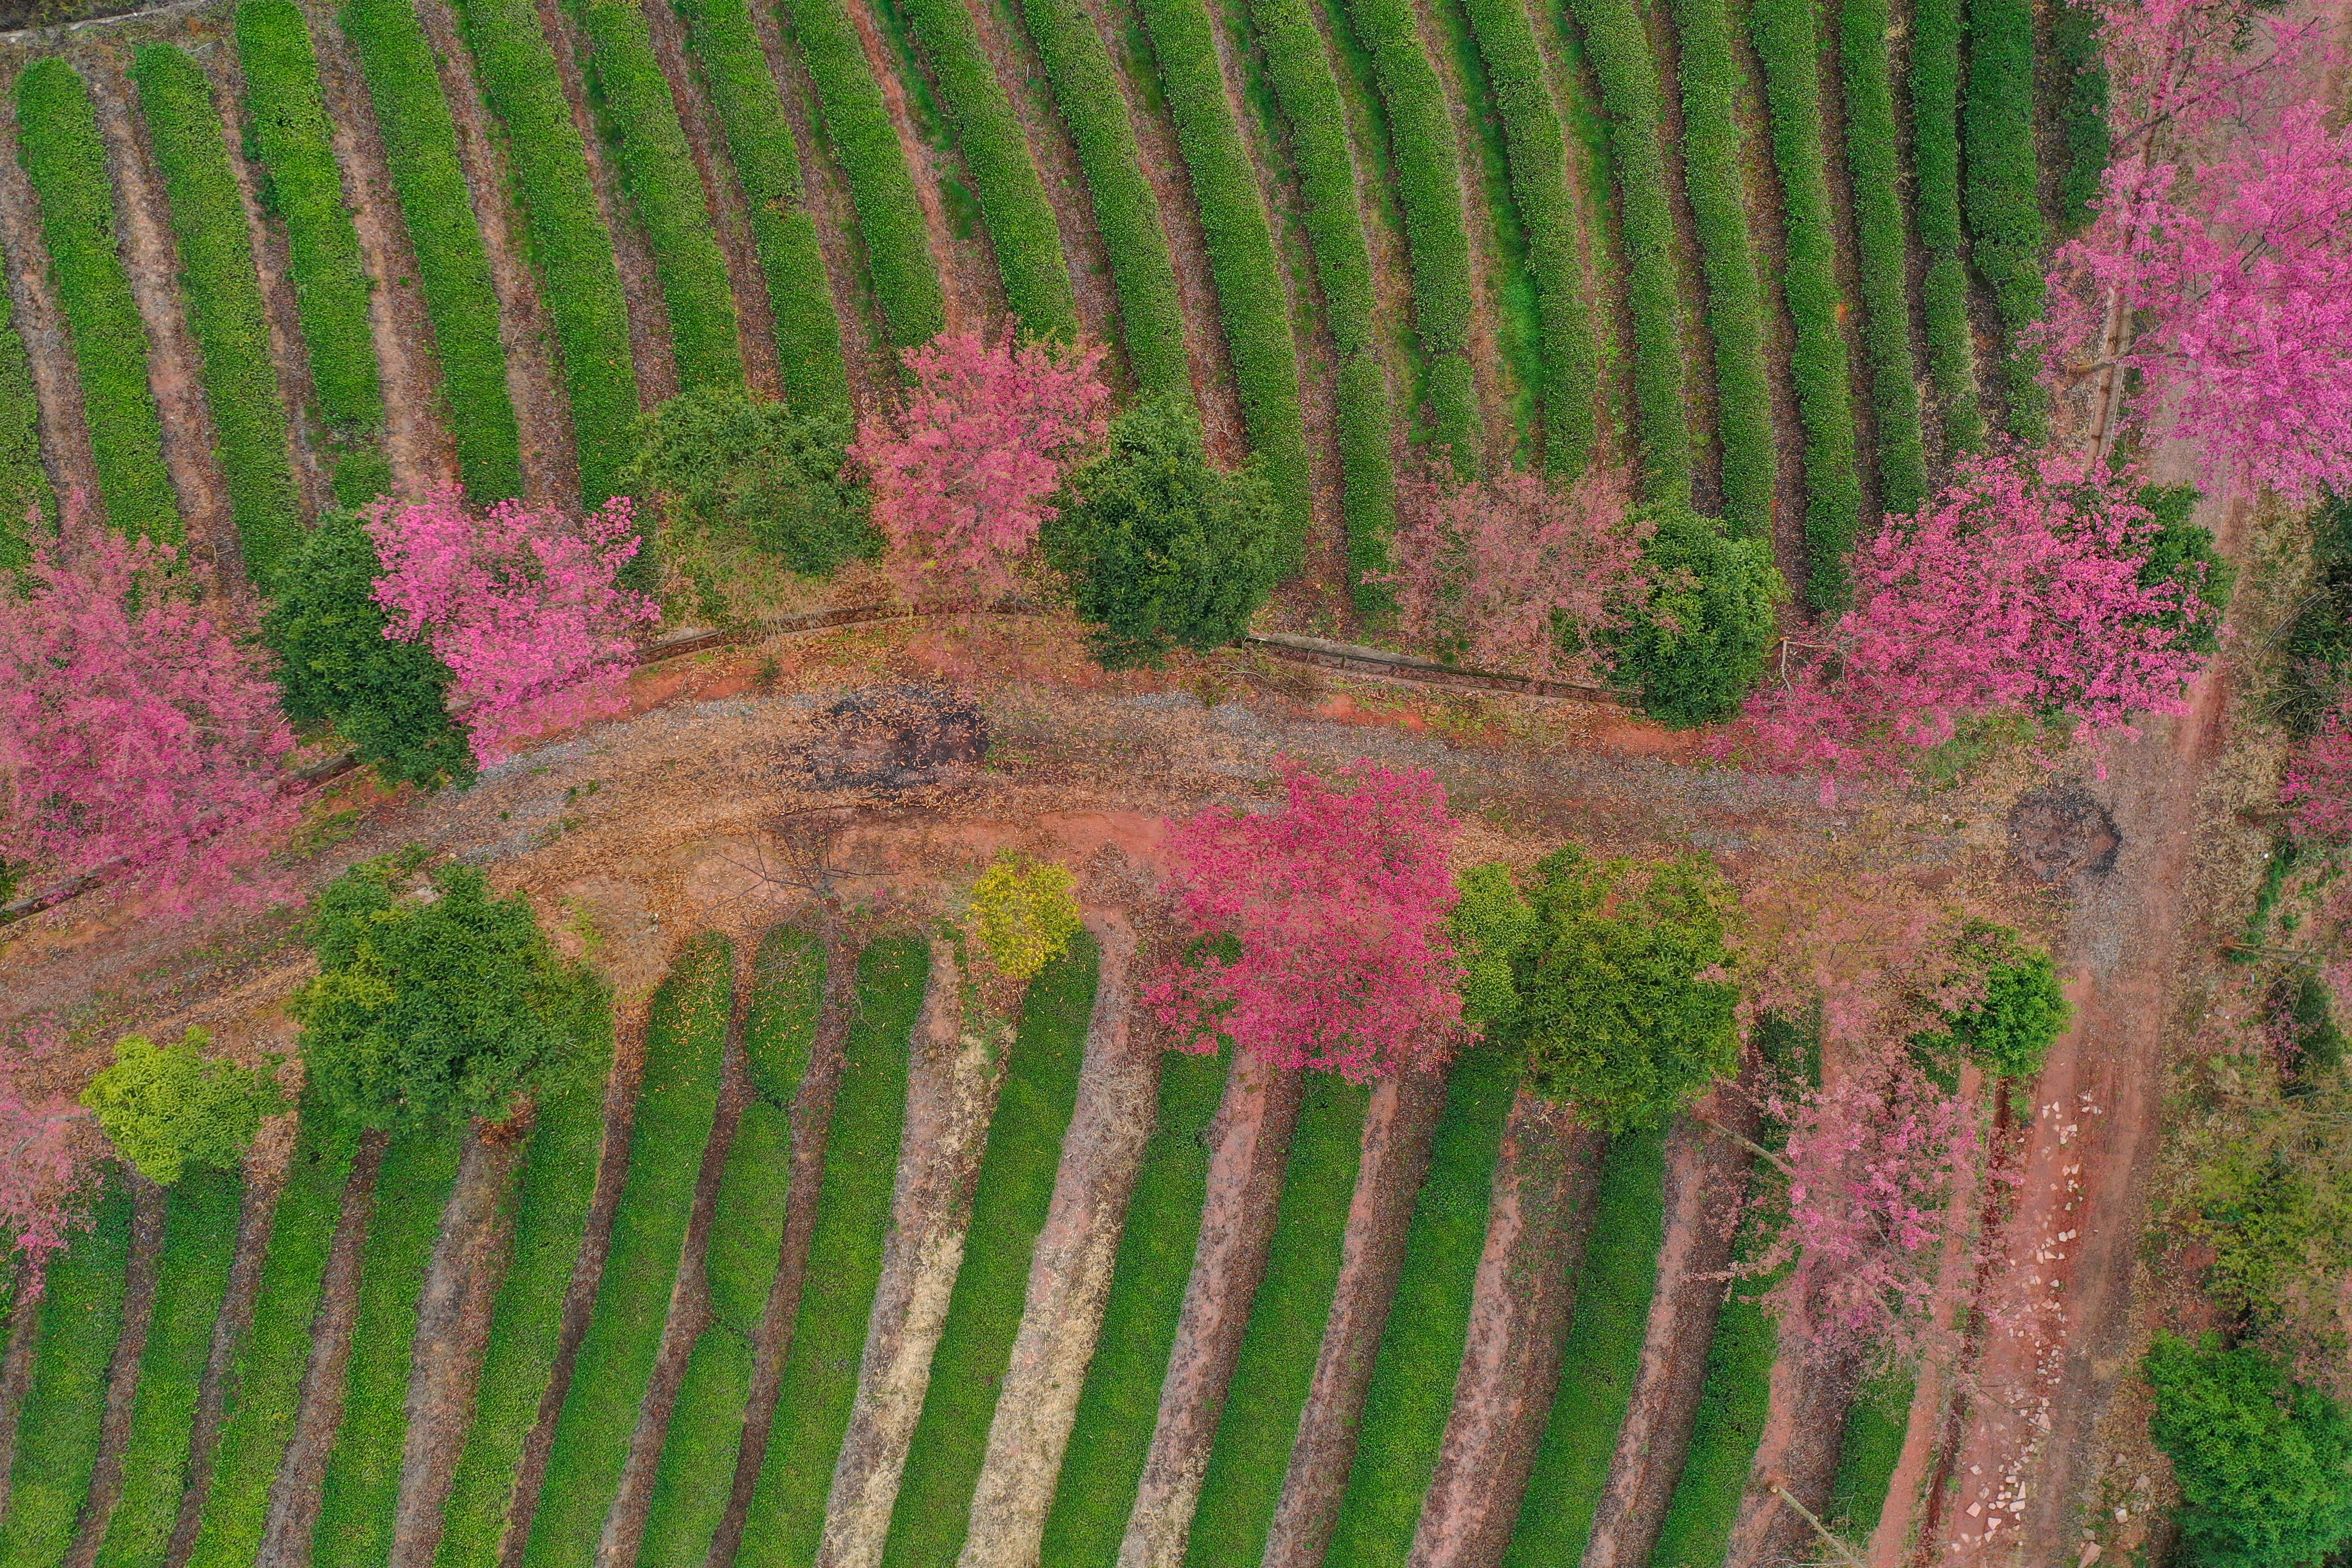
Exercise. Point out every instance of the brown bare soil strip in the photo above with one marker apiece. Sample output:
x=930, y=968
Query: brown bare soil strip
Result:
x=452, y=1331
x=1397, y=1129
x=1069, y=1274
x=302, y=1473
x=551, y=460
x=1519, y=1311
x=56, y=384
x=1249, y=1141
x=958, y=1061
x=15, y=1375
x=147, y=1204
x=1690, y=283
x=1705, y=1170
x=172, y=367
x=1769, y=227
x=1796, y=1453
x=1496, y=384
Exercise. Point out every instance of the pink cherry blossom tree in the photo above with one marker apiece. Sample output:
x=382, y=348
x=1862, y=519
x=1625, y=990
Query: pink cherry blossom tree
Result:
x=963, y=464
x=1332, y=914
x=1516, y=574
x=2319, y=787
x=49, y=1152
x=139, y=740
x=520, y=602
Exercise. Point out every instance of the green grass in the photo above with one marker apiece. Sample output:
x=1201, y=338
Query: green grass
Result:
x=1618, y=46
x=1935, y=93
x=1437, y=244
x=1789, y=44
x=767, y=162
x=1016, y=1187
x=57, y=1426
x=1873, y=1446
x=1251, y=300
x=1087, y=91
x=686, y=1039
x=192, y=1278
x=845, y=1261
x=264, y=1388
x=300, y=184
x=697, y=1473
x=1883, y=249
x=223, y=299
x=1021, y=225
x=1602, y=1355
x=625, y=81
x=2007, y=237
x=363, y=1484
x=1308, y=94
x=897, y=247
x=57, y=134
x=1103, y=1467
x=579, y=279
x=1412, y=1394
x=24, y=482
x=553, y=1191
x=1539, y=168
x=1251, y=1450
x=1723, y=1441
x=420, y=144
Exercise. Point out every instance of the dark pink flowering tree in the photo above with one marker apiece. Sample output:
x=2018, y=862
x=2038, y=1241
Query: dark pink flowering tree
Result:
x=520, y=602
x=48, y=1152
x=2017, y=589
x=1331, y=913
x=138, y=739
x=964, y=464
x=1514, y=574
x=2319, y=787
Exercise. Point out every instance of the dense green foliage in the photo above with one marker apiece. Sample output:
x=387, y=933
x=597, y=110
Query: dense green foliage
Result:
x=24, y=483
x=424, y=1011
x=2264, y=1463
x=580, y=280
x=897, y=247
x=336, y=668
x=1723, y=1436
x=420, y=144
x=1882, y=251
x=1102, y=1469
x=165, y=1107
x=1490, y=921
x=1692, y=653
x=2009, y=1028
x=2182, y=552
x=300, y=185
x=2084, y=139
x=57, y=138
x=1872, y=1448
x=767, y=162
x=1252, y=302
x=1711, y=161
x=1162, y=549
x=1613, y=1010
x=57, y=1424
x=737, y=466
x=1935, y=93
x=2007, y=237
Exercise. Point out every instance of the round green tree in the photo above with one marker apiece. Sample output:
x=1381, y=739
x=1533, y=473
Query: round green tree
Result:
x=2264, y=1463
x=730, y=465
x=167, y=1106
x=1692, y=653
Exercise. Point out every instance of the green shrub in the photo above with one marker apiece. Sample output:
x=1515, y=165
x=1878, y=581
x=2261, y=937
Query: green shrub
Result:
x=24, y=482
x=1711, y=161
x=2007, y=238
x=1251, y=300
x=580, y=282
x=1162, y=549
x=1730, y=1418
x=1308, y=93
x=1883, y=252
x=164, y=1106
x=1692, y=653
x=1619, y=48
x=1127, y=213
x=2264, y=1463
x=420, y=144
x=897, y=247
x=1870, y=1448
x=1023, y=914
x=2008, y=1030
x=58, y=1424
x=300, y=184
x=2083, y=137
x=733, y=464
x=2182, y=552
x=767, y=160
x=58, y=135
x=1934, y=87
x=1489, y=923
x=1787, y=44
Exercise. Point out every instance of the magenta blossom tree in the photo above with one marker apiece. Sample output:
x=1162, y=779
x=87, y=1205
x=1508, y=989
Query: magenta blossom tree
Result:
x=138, y=739
x=963, y=465
x=47, y=1153
x=1331, y=913
x=520, y=602
x=2319, y=787
x=2016, y=589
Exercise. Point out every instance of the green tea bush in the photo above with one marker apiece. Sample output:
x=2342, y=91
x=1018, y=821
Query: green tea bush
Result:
x=1691, y=654
x=2264, y=1462
x=2007, y=238
x=1735, y=308
x=1789, y=49
x=224, y=297
x=24, y=482
x=58, y=135
x=580, y=280
x=420, y=144
x=1883, y=252
x=165, y=1107
x=2083, y=137
x=897, y=247
x=1251, y=300
x=767, y=160
x=732, y=464
x=1935, y=87
x=664, y=186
